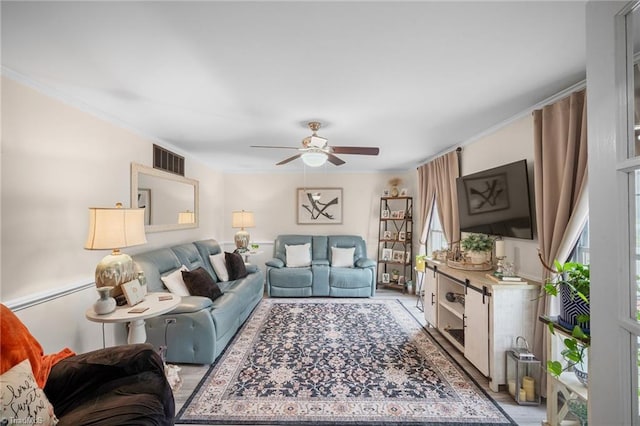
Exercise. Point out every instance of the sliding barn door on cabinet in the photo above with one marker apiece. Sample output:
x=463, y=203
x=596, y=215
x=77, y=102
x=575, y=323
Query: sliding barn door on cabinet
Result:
x=476, y=329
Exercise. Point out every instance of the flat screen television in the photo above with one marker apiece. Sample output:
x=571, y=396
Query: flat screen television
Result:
x=496, y=201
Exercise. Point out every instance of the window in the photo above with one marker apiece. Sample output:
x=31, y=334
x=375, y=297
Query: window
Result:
x=580, y=252
x=435, y=236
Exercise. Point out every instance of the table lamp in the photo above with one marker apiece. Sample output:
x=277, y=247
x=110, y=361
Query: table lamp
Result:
x=242, y=219
x=113, y=229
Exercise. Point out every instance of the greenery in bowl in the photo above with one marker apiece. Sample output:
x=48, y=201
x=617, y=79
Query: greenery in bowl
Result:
x=477, y=242
x=576, y=277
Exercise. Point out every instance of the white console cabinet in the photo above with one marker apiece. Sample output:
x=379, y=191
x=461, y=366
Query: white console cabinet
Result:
x=480, y=317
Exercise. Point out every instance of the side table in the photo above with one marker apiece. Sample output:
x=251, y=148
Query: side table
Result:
x=137, y=331
x=246, y=255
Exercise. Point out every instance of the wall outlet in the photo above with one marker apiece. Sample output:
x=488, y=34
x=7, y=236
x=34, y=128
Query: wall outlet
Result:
x=168, y=321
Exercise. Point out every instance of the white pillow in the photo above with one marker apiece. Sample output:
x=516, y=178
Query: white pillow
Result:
x=342, y=257
x=298, y=255
x=220, y=266
x=175, y=283
x=22, y=399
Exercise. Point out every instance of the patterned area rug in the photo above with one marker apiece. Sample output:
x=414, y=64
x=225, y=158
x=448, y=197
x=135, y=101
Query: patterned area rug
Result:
x=337, y=362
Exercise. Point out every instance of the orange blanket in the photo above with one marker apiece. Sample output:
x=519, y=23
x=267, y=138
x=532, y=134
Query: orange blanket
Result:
x=17, y=344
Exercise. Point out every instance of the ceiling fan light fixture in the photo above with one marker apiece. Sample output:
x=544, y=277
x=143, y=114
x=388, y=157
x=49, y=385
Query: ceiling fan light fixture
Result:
x=314, y=158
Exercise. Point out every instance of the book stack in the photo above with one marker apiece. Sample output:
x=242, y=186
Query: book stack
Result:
x=506, y=280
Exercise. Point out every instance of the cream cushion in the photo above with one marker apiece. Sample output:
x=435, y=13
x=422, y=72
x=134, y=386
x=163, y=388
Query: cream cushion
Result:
x=342, y=257
x=298, y=255
x=175, y=283
x=220, y=266
x=23, y=402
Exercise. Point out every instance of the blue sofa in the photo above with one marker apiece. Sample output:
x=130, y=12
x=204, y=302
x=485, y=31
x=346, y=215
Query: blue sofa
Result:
x=321, y=278
x=202, y=328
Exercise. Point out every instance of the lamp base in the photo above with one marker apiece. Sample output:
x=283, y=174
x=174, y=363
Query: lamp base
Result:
x=242, y=240
x=113, y=270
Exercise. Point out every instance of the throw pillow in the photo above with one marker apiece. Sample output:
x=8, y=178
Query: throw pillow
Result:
x=342, y=257
x=175, y=283
x=220, y=266
x=23, y=402
x=298, y=255
x=200, y=283
x=235, y=266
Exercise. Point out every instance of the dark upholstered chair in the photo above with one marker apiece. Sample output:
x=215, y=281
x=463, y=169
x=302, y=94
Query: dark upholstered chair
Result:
x=121, y=385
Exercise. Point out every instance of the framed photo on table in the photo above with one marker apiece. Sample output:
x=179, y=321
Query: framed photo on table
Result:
x=385, y=278
x=132, y=292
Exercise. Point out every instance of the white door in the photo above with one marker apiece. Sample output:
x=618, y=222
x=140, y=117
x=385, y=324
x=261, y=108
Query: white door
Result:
x=429, y=287
x=476, y=330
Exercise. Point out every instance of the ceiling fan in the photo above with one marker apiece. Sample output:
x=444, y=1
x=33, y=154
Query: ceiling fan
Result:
x=315, y=150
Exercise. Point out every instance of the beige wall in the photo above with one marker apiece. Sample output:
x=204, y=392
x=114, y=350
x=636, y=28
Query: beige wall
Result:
x=272, y=198
x=510, y=143
x=56, y=162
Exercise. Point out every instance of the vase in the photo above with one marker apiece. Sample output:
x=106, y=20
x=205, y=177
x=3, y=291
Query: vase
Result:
x=572, y=306
x=106, y=304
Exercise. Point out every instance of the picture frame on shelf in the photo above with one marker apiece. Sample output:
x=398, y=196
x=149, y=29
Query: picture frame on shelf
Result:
x=386, y=235
x=386, y=278
x=395, y=236
x=394, y=214
x=398, y=256
x=404, y=192
x=385, y=192
x=407, y=257
x=409, y=235
x=387, y=254
x=385, y=214
x=402, y=236
x=401, y=279
x=400, y=214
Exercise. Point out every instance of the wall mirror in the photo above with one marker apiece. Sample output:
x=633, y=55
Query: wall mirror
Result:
x=170, y=201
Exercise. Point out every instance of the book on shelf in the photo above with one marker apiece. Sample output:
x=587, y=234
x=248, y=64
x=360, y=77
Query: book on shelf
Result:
x=505, y=280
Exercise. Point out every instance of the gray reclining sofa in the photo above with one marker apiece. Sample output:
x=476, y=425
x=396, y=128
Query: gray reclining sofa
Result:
x=202, y=327
x=321, y=277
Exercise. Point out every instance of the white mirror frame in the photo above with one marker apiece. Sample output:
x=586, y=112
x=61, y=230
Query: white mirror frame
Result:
x=137, y=169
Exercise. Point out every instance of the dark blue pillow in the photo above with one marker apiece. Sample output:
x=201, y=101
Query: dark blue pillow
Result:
x=200, y=283
x=235, y=266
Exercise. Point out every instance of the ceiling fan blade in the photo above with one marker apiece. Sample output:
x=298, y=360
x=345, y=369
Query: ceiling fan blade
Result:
x=335, y=160
x=361, y=150
x=268, y=146
x=287, y=160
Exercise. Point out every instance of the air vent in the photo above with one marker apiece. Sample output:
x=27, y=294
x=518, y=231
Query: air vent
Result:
x=168, y=161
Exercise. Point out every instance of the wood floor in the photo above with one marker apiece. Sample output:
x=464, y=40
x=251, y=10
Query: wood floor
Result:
x=523, y=415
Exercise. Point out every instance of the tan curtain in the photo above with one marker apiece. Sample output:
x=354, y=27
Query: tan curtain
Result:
x=438, y=179
x=427, y=192
x=560, y=164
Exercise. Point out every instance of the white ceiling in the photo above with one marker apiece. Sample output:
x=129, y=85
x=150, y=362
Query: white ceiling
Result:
x=212, y=78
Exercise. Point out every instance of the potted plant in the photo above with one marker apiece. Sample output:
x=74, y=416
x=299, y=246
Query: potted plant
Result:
x=478, y=246
x=571, y=282
x=395, y=274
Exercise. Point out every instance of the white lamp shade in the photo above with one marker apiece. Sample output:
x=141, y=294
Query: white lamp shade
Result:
x=242, y=219
x=314, y=159
x=186, y=217
x=114, y=228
